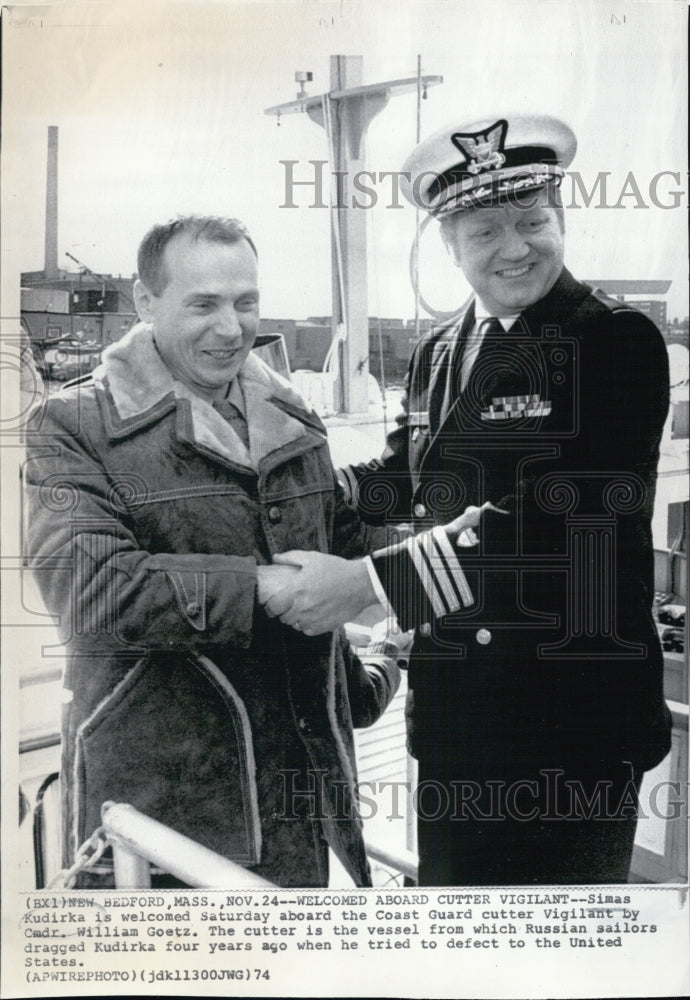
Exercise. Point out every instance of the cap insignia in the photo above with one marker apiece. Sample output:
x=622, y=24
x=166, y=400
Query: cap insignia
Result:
x=482, y=150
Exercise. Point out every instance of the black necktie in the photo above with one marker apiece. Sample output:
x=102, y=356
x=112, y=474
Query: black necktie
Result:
x=468, y=357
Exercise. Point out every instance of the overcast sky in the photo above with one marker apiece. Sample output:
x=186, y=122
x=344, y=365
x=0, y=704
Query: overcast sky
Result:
x=160, y=111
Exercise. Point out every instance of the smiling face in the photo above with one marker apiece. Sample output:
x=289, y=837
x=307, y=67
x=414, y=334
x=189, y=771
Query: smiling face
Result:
x=206, y=317
x=511, y=254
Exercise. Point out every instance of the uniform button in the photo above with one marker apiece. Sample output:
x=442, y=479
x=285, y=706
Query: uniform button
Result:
x=274, y=514
x=425, y=629
x=420, y=510
x=483, y=636
x=193, y=609
x=302, y=723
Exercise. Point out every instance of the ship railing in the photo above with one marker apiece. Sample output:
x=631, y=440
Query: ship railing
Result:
x=138, y=841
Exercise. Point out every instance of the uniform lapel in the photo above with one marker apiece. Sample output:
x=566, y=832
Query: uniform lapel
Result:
x=556, y=308
x=441, y=381
x=444, y=397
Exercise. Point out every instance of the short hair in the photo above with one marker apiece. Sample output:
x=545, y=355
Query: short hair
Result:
x=214, y=228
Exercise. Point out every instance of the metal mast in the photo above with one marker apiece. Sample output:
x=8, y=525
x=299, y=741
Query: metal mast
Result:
x=345, y=112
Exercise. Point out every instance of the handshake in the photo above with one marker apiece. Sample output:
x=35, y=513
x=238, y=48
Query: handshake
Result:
x=315, y=592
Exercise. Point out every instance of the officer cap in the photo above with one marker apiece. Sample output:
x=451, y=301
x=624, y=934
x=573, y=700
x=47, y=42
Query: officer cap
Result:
x=486, y=162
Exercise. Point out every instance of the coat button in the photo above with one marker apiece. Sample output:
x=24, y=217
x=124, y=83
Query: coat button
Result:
x=274, y=514
x=483, y=637
x=302, y=723
x=193, y=609
x=425, y=629
x=419, y=510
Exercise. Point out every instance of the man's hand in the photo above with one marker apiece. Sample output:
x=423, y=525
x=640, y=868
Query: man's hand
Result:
x=463, y=527
x=324, y=592
x=272, y=579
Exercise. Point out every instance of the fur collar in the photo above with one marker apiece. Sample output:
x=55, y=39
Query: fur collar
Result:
x=139, y=389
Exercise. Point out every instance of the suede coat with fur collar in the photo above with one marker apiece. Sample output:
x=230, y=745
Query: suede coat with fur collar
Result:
x=147, y=519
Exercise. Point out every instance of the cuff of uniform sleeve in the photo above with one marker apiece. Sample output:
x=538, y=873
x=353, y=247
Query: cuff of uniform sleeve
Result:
x=439, y=571
x=449, y=561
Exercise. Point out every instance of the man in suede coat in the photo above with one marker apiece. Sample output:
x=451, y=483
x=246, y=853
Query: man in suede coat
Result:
x=159, y=489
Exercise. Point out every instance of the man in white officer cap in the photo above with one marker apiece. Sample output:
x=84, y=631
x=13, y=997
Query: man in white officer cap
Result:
x=535, y=682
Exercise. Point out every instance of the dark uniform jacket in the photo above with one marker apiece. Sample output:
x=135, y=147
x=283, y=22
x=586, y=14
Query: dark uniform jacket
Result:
x=537, y=647
x=146, y=525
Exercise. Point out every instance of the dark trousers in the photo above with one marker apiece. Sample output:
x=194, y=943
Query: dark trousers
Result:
x=532, y=826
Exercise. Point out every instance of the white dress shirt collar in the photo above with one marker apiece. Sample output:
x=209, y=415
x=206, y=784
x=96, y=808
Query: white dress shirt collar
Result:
x=482, y=313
